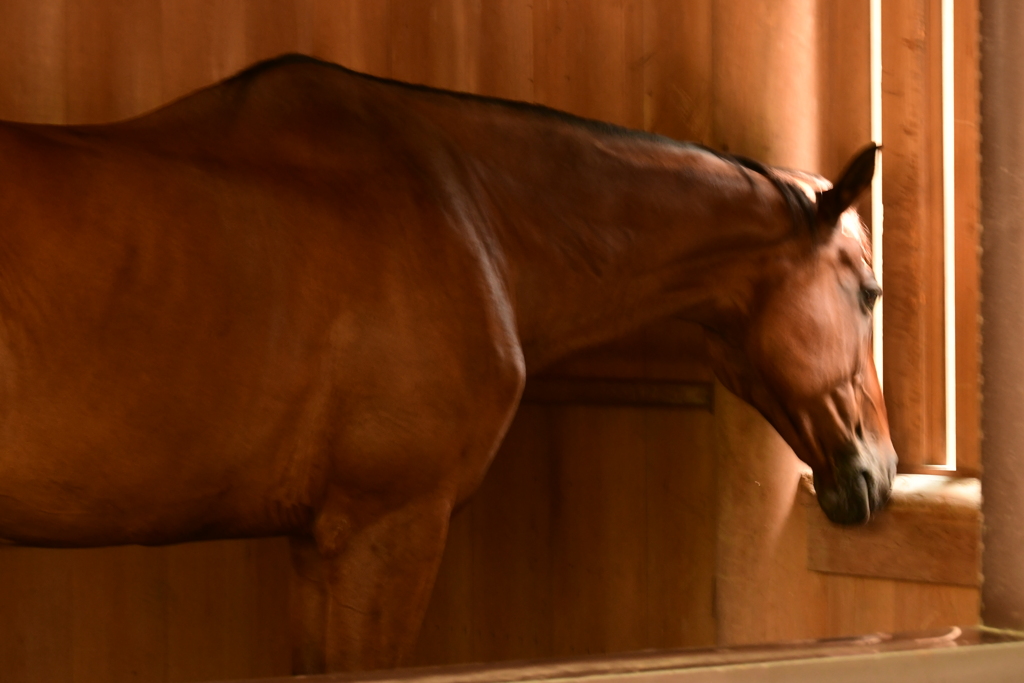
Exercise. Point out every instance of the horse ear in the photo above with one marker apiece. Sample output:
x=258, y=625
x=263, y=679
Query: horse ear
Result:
x=851, y=184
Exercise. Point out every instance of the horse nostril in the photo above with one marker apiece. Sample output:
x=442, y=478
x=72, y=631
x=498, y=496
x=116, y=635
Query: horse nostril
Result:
x=859, y=431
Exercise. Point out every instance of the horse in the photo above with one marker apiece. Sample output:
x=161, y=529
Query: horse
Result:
x=305, y=301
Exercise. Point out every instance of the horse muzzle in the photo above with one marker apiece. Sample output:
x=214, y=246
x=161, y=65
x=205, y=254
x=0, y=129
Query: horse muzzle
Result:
x=860, y=483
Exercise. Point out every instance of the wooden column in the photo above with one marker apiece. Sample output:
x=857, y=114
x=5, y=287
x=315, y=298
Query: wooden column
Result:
x=912, y=191
x=766, y=99
x=1002, y=196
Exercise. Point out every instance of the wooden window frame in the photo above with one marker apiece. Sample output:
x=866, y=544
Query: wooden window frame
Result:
x=915, y=199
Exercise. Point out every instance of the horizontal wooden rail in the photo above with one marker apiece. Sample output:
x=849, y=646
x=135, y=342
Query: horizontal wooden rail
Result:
x=931, y=531
x=618, y=392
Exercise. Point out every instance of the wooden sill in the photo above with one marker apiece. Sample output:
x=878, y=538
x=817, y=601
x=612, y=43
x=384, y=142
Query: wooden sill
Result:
x=931, y=531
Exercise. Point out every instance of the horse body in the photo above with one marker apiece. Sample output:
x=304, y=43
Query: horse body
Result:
x=305, y=301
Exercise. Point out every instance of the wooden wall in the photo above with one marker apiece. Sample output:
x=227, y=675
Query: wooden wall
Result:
x=599, y=528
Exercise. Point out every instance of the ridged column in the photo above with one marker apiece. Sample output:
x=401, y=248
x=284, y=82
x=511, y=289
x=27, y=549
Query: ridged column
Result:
x=1002, y=282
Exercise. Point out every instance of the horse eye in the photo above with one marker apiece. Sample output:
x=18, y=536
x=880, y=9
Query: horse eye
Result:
x=869, y=295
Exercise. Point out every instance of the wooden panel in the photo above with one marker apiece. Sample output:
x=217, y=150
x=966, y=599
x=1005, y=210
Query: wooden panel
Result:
x=765, y=56
x=931, y=532
x=844, y=46
x=618, y=392
x=912, y=193
x=677, y=69
x=858, y=605
x=589, y=535
x=588, y=58
x=759, y=597
x=968, y=235
x=763, y=591
x=112, y=58
x=32, y=60
x=353, y=33
x=201, y=42
x=275, y=27
x=181, y=613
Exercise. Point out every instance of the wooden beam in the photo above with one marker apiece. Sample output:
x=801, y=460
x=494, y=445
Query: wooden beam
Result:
x=615, y=392
x=930, y=532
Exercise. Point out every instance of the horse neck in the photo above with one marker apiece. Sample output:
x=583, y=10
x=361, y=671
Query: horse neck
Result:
x=628, y=232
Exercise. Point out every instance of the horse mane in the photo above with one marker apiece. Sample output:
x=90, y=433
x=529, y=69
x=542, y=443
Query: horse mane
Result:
x=801, y=204
x=799, y=189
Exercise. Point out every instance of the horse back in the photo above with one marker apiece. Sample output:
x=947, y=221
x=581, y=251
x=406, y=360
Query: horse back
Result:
x=196, y=301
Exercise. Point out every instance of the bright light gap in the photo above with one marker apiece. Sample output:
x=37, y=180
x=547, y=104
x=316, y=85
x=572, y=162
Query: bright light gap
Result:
x=949, y=227
x=875, y=96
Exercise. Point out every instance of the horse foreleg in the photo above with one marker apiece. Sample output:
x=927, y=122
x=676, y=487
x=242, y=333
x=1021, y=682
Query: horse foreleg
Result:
x=371, y=582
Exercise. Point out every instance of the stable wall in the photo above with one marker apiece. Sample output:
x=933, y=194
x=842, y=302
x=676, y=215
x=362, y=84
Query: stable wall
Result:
x=602, y=528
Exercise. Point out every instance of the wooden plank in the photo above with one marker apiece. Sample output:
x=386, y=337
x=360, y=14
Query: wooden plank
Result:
x=227, y=609
x=432, y=43
x=765, y=103
x=272, y=28
x=492, y=599
x=590, y=534
x=202, y=41
x=930, y=535
x=765, y=106
x=32, y=78
x=505, y=50
x=618, y=392
x=912, y=196
x=118, y=613
x=677, y=69
x=763, y=590
x=968, y=235
x=844, y=52
x=598, y=551
x=113, y=59
x=36, y=615
x=588, y=58
x=353, y=33
x=861, y=605
x=680, y=503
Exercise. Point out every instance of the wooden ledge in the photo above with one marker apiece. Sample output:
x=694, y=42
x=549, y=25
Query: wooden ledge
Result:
x=931, y=531
x=618, y=392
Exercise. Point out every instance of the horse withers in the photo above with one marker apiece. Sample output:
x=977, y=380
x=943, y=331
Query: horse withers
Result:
x=304, y=302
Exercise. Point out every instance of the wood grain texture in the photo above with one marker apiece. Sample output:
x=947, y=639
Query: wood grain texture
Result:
x=912, y=194
x=967, y=76
x=636, y=393
x=759, y=597
x=181, y=613
x=922, y=536
x=763, y=591
x=589, y=535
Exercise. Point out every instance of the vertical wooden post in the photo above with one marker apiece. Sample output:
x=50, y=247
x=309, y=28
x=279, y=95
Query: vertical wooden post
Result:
x=1002, y=196
x=766, y=99
x=912, y=189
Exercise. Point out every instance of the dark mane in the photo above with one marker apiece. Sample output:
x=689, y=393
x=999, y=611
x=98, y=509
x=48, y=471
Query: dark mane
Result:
x=801, y=208
x=600, y=127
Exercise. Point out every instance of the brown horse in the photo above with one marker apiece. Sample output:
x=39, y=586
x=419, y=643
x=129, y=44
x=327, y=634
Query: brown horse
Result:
x=304, y=301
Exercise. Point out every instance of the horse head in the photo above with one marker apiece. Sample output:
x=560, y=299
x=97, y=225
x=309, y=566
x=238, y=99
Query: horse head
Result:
x=802, y=354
